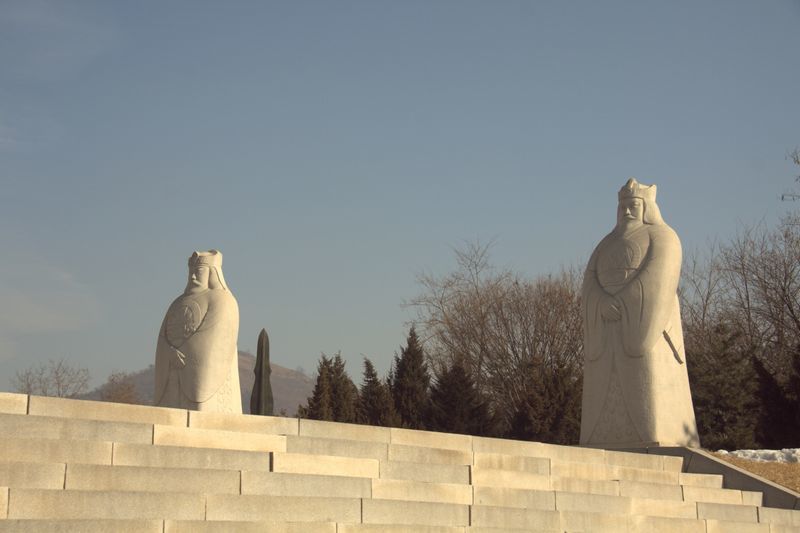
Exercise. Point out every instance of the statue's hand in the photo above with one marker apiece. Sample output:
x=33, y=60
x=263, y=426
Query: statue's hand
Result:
x=609, y=309
x=180, y=359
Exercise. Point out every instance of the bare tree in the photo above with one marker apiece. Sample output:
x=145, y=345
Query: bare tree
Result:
x=120, y=388
x=501, y=325
x=54, y=378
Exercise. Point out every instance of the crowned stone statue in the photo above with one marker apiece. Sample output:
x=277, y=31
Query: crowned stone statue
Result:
x=635, y=386
x=197, y=364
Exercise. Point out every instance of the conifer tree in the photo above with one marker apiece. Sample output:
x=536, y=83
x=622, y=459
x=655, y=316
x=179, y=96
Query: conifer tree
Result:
x=550, y=408
x=320, y=403
x=456, y=406
x=375, y=405
x=410, y=383
x=724, y=382
x=344, y=394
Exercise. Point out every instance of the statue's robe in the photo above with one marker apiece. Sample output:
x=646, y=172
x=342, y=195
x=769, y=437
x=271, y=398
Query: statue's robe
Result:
x=636, y=387
x=202, y=329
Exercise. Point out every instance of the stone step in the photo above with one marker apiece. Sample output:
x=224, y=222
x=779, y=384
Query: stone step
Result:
x=56, y=451
x=151, y=479
x=327, y=465
x=51, y=427
x=81, y=526
x=32, y=475
x=181, y=457
x=217, y=439
x=281, y=484
x=114, y=412
x=227, y=526
x=92, y=504
x=430, y=473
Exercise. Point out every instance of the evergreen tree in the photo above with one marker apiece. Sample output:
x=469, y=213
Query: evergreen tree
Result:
x=375, y=405
x=344, y=394
x=776, y=427
x=320, y=404
x=410, y=383
x=550, y=408
x=456, y=406
x=724, y=390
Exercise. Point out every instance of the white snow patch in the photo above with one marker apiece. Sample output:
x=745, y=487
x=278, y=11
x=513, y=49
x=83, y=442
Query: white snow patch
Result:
x=786, y=455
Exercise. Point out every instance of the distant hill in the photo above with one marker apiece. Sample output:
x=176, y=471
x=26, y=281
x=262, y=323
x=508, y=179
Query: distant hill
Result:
x=290, y=388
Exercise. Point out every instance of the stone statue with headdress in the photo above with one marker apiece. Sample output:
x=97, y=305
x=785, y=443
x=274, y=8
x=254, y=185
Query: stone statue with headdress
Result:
x=197, y=364
x=635, y=386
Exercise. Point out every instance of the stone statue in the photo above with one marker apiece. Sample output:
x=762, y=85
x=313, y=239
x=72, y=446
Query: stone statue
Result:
x=261, y=402
x=635, y=385
x=197, y=363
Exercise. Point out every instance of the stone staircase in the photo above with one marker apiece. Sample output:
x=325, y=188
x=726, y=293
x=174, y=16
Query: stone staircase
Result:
x=73, y=465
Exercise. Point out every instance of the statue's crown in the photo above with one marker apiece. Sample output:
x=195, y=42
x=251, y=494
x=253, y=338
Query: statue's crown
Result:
x=211, y=258
x=634, y=189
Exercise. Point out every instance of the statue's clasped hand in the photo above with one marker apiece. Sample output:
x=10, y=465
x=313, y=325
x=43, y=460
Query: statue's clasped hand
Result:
x=609, y=309
x=180, y=359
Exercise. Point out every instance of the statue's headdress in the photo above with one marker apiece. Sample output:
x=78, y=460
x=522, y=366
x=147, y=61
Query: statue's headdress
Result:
x=213, y=260
x=634, y=189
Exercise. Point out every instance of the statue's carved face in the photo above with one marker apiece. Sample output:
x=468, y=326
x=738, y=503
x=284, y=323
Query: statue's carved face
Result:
x=630, y=212
x=198, y=278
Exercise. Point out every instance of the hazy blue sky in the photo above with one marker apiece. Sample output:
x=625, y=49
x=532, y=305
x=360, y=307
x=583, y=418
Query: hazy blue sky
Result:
x=333, y=150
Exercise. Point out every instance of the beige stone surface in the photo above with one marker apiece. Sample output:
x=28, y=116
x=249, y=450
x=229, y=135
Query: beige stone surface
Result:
x=592, y=503
x=775, y=528
x=150, y=479
x=180, y=457
x=414, y=513
x=3, y=502
x=635, y=385
x=703, y=494
x=431, y=439
x=727, y=512
x=432, y=473
x=401, y=489
x=660, y=524
x=120, y=412
x=279, y=484
x=577, y=521
x=544, y=500
x=507, y=447
x=570, y=453
x=81, y=526
x=270, y=425
x=657, y=491
x=217, y=438
x=584, y=470
x=338, y=430
x=787, y=517
x=395, y=528
x=509, y=518
x=664, y=508
x=712, y=481
x=80, y=504
x=326, y=465
x=419, y=454
x=568, y=484
x=647, y=476
x=32, y=475
x=499, y=461
x=283, y=508
x=635, y=460
x=719, y=526
x=490, y=477
x=752, y=498
x=339, y=447
x=238, y=526
x=673, y=464
x=55, y=451
x=51, y=427
x=197, y=363
x=13, y=403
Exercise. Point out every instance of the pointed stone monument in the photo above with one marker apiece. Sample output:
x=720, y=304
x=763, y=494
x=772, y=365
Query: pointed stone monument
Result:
x=261, y=401
x=635, y=385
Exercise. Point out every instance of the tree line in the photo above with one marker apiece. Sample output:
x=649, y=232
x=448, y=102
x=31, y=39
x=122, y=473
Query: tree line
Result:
x=495, y=353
